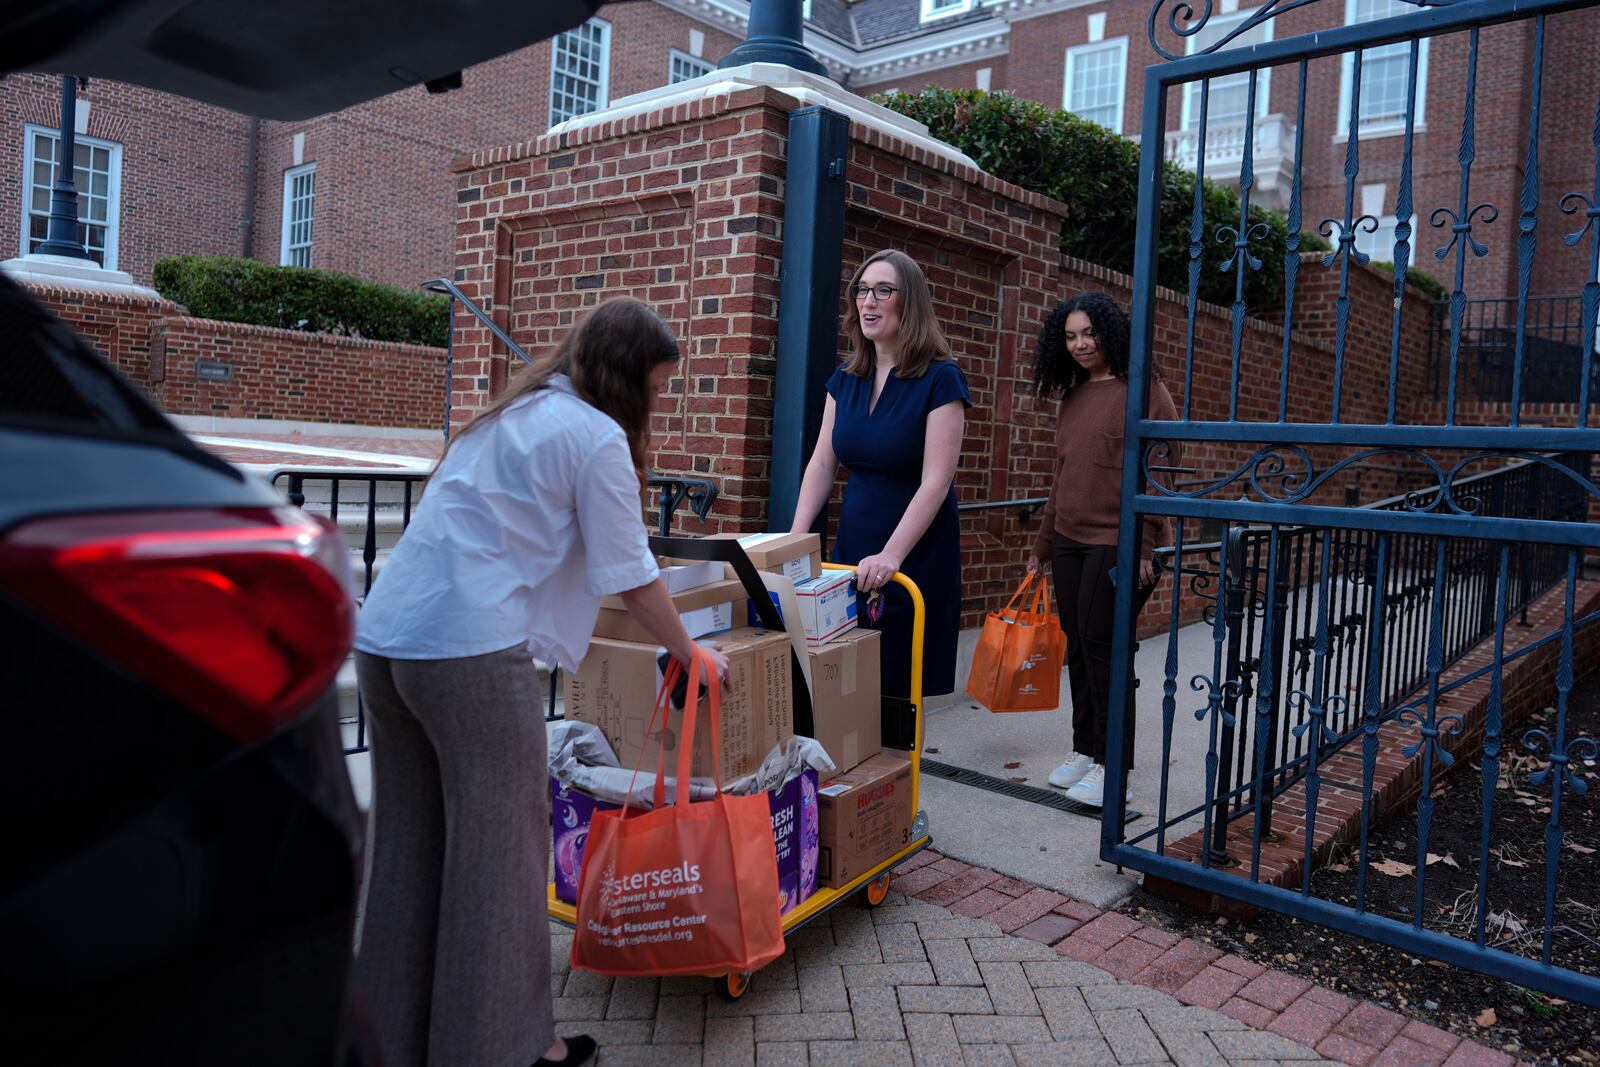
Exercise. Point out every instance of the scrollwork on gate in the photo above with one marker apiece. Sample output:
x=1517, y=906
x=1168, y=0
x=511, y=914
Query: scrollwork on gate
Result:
x=1295, y=476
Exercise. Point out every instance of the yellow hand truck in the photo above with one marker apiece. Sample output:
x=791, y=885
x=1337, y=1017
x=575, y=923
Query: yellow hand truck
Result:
x=902, y=724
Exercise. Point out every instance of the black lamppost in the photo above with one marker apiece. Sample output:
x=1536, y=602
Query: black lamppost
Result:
x=774, y=36
x=61, y=238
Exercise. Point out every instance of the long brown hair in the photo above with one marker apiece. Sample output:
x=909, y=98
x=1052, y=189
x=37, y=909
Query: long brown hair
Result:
x=608, y=355
x=921, y=340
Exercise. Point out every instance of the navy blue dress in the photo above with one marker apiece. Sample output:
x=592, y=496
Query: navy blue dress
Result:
x=882, y=449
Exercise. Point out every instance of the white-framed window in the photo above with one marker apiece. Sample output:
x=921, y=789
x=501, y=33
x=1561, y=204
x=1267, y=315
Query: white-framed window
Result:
x=939, y=9
x=1230, y=95
x=97, y=175
x=580, y=70
x=1385, y=72
x=299, y=209
x=805, y=9
x=1097, y=81
x=684, y=67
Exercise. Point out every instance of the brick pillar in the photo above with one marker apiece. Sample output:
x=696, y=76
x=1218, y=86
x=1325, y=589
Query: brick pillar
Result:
x=683, y=207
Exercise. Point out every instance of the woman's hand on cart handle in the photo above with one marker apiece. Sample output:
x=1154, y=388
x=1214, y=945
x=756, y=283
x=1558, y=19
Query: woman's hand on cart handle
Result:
x=875, y=571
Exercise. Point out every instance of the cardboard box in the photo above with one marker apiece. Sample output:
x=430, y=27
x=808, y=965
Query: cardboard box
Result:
x=846, y=696
x=827, y=606
x=705, y=610
x=795, y=556
x=680, y=577
x=616, y=685
x=865, y=817
x=795, y=836
x=571, y=809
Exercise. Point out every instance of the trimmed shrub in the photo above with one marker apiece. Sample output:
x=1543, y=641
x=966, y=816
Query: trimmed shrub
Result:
x=294, y=298
x=1096, y=174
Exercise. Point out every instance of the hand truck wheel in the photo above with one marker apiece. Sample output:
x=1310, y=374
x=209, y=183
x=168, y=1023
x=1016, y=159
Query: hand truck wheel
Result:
x=876, y=891
x=732, y=986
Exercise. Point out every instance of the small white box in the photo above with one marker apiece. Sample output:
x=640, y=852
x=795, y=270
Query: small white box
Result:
x=710, y=620
x=827, y=606
x=681, y=577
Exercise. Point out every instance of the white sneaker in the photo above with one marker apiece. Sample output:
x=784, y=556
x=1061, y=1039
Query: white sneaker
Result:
x=1070, y=772
x=1091, y=788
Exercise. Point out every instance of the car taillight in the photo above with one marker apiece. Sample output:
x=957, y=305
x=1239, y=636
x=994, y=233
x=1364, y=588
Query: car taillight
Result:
x=242, y=615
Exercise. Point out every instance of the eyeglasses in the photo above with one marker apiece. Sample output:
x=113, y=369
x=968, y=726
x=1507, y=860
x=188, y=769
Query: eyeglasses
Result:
x=882, y=292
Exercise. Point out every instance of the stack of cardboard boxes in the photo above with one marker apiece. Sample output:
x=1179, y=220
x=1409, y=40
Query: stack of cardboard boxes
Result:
x=864, y=808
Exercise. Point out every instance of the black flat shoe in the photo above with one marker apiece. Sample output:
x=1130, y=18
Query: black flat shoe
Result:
x=580, y=1050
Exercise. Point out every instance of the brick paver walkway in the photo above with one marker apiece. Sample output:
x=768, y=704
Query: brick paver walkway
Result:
x=975, y=968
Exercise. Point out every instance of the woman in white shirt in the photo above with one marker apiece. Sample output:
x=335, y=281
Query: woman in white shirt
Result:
x=532, y=515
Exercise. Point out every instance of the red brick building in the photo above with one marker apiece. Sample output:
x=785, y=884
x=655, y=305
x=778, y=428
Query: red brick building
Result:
x=369, y=190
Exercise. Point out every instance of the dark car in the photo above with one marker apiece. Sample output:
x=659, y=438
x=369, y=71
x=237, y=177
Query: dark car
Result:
x=181, y=868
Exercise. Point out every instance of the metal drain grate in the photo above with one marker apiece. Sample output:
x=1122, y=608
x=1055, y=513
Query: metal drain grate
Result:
x=1032, y=794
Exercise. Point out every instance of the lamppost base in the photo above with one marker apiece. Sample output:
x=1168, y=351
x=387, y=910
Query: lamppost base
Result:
x=41, y=270
x=773, y=49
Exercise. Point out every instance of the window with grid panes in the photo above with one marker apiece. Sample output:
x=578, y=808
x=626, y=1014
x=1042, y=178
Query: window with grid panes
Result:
x=579, y=69
x=1230, y=94
x=1385, y=71
x=934, y=9
x=97, y=175
x=299, y=203
x=1096, y=77
x=685, y=67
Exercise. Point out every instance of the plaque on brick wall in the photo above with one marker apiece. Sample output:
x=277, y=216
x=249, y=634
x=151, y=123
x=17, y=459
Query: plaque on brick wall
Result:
x=209, y=371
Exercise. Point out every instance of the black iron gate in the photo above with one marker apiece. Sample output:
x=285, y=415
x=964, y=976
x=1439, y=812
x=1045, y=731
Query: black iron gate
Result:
x=1341, y=646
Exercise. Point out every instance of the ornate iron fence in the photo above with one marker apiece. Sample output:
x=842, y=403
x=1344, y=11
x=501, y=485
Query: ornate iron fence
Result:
x=1553, y=332
x=1323, y=591
x=1327, y=677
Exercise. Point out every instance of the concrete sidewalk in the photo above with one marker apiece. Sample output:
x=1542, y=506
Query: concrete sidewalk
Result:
x=1041, y=845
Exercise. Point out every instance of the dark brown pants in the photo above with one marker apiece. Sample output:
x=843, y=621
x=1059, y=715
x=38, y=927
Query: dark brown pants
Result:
x=1087, y=601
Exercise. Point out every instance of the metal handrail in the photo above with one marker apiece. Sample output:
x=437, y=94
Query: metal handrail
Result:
x=449, y=288
x=1026, y=506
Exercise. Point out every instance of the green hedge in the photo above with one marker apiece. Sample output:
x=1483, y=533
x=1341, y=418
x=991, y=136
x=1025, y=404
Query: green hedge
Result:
x=1096, y=174
x=295, y=298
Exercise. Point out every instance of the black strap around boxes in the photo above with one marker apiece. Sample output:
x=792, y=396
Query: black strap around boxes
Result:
x=727, y=550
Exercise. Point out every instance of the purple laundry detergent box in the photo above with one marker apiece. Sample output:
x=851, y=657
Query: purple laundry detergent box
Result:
x=571, y=809
x=796, y=835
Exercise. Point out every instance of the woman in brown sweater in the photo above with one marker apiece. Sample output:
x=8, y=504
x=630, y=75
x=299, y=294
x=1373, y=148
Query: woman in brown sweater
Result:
x=1083, y=359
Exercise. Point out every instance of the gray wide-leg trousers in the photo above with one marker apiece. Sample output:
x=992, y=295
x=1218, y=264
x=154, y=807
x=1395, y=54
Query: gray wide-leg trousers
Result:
x=454, y=959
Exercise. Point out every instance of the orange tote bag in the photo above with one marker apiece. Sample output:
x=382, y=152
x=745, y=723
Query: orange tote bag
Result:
x=688, y=887
x=1017, y=664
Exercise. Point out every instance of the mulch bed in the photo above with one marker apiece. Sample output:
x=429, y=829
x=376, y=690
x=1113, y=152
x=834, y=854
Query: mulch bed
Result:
x=1532, y=1025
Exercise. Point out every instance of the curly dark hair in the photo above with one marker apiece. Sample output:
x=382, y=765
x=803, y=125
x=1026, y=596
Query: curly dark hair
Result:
x=1055, y=372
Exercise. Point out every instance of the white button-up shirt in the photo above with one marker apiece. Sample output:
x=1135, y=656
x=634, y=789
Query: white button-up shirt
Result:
x=529, y=520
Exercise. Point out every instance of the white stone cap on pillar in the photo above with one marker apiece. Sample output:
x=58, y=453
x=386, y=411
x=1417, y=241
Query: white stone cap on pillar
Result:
x=67, y=272
x=803, y=87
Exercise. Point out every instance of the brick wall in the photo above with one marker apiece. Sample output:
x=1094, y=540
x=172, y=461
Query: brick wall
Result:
x=276, y=374
x=284, y=374
x=684, y=210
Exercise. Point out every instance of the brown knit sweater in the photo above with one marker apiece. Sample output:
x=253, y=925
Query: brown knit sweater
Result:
x=1086, y=498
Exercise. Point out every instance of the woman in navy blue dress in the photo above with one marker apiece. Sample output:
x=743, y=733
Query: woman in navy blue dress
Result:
x=894, y=419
